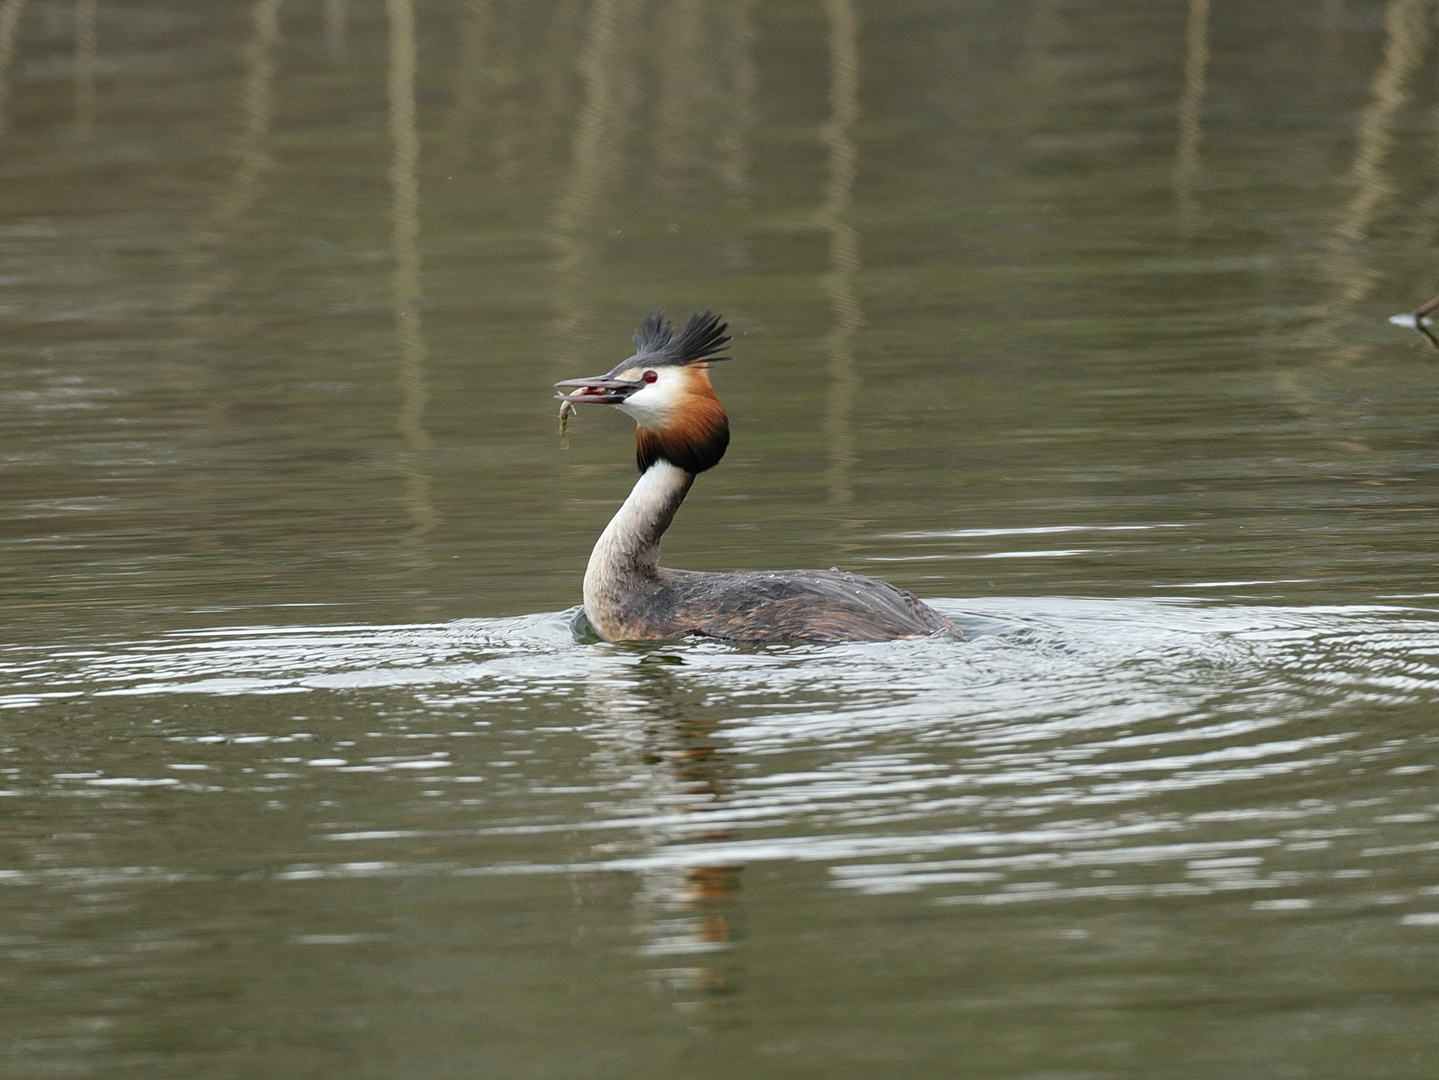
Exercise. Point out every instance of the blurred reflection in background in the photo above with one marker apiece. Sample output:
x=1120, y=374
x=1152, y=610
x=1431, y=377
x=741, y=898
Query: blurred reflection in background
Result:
x=404, y=241
x=839, y=284
x=610, y=91
x=85, y=44
x=1191, y=116
x=1407, y=26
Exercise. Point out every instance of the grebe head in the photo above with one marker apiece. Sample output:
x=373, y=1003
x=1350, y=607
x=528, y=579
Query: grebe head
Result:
x=665, y=387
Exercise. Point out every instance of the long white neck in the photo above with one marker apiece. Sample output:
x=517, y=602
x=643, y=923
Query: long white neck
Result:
x=628, y=551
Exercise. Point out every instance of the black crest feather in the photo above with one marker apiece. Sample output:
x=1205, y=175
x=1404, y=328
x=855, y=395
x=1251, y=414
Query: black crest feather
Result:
x=703, y=337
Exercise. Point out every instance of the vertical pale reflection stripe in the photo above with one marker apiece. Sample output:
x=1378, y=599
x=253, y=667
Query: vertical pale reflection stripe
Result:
x=683, y=73
x=334, y=28
x=595, y=160
x=85, y=48
x=1426, y=225
x=555, y=99
x=467, y=87
x=733, y=145
x=404, y=237
x=252, y=161
x=256, y=104
x=513, y=136
x=10, y=12
x=1191, y=108
x=205, y=277
x=844, y=259
x=1406, y=34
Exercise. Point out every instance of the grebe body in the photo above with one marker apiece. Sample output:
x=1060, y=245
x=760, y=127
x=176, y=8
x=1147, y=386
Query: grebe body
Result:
x=681, y=431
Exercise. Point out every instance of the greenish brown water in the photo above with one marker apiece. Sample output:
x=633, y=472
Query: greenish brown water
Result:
x=1068, y=316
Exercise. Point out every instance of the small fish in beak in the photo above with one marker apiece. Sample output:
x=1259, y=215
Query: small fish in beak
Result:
x=601, y=390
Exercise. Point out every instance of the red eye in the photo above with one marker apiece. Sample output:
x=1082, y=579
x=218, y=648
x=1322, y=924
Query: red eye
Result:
x=650, y=376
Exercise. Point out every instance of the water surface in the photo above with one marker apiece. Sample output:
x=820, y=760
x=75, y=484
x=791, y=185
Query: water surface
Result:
x=1069, y=317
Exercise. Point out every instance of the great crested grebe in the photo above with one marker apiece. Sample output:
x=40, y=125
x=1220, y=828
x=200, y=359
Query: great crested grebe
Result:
x=682, y=431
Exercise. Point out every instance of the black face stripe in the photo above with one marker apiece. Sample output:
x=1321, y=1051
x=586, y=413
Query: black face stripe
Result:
x=691, y=455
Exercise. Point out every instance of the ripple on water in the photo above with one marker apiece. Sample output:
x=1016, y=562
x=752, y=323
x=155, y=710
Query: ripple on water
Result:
x=1074, y=750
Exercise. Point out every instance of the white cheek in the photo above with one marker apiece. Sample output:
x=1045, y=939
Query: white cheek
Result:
x=655, y=404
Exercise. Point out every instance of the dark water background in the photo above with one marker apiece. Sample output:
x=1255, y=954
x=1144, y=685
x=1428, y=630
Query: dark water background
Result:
x=1068, y=315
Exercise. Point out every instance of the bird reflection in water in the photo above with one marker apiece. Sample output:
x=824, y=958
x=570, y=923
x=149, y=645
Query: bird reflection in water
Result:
x=686, y=908
x=658, y=742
